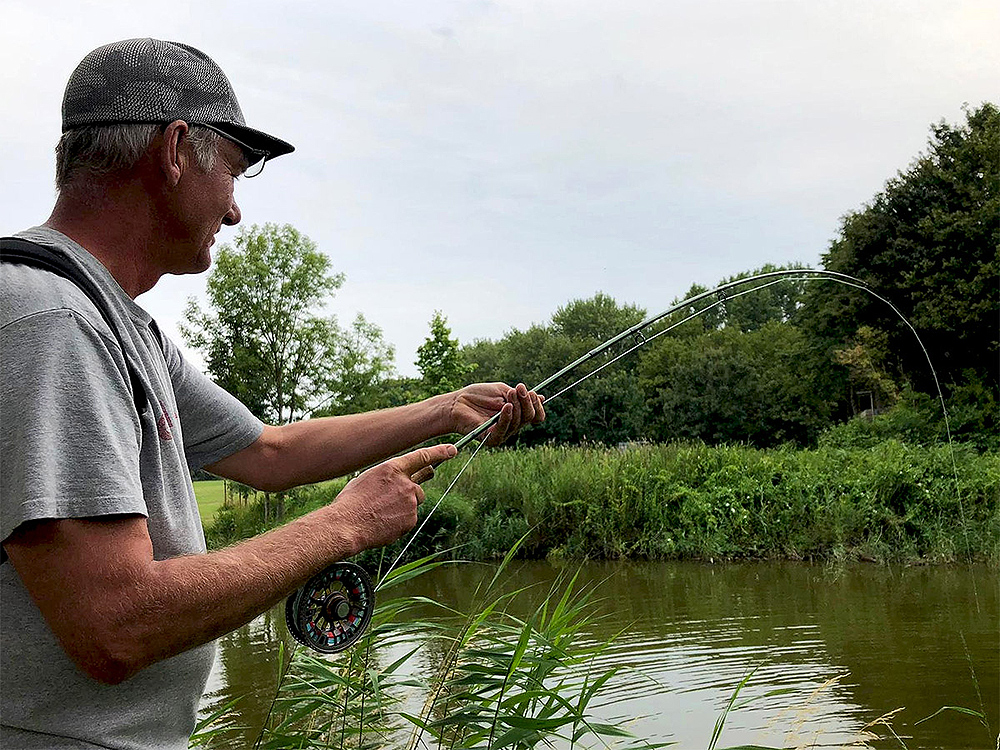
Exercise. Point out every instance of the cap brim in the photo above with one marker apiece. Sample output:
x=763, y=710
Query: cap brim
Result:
x=259, y=145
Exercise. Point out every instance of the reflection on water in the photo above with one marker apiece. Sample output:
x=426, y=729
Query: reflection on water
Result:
x=841, y=647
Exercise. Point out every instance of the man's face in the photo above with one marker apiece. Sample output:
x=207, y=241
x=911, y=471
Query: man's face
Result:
x=205, y=203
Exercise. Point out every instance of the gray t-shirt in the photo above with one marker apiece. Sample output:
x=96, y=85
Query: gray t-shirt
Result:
x=72, y=445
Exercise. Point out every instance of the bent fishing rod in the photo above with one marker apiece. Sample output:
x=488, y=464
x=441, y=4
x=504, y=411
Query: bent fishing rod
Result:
x=334, y=608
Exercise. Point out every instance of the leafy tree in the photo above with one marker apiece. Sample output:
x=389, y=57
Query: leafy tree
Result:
x=726, y=387
x=607, y=409
x=263, y=338
x=710, y=317
x=772, y=301
x=596, y=319
x=930, y=243
x=361, y=371
x=864, y=358
x=439, y=360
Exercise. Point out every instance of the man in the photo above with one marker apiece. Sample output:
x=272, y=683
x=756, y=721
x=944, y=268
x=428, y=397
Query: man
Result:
x=110, y=601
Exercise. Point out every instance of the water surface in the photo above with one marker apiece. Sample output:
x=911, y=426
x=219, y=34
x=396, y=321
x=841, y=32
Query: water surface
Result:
x=846, y=644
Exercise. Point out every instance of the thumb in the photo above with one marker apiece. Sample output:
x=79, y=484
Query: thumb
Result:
x=410, y=463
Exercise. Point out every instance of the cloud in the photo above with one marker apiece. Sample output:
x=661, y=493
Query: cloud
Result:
x=495, y=159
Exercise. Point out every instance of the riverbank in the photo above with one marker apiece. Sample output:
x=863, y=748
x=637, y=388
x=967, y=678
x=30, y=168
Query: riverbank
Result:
x=886, y=503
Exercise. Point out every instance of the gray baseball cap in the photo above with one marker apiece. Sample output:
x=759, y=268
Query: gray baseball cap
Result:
x=157, y=82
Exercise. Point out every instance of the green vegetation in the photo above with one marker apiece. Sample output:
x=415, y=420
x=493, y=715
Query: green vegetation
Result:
x=263, y=338
x=439, y=360
x=885, y=501
x=248, y=513
x=211, y=494
x=930, y=242
x=890, y=502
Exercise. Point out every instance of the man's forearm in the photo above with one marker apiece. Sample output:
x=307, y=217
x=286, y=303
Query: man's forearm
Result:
x=319, y=449
x=171, y=612
x=116, y=610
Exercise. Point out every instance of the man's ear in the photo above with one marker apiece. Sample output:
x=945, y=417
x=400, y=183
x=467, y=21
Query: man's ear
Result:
x=172, y=160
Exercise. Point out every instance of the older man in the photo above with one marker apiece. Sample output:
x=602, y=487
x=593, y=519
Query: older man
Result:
x=110, y=601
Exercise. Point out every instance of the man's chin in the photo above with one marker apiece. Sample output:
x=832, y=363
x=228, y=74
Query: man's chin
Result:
x=201, y=264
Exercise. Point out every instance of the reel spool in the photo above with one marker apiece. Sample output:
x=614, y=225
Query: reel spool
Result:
x=333, y=609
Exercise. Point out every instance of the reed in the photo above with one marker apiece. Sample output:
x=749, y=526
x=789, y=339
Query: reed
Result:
x=495, y=680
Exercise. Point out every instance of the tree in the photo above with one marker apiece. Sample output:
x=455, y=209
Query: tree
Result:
x=595, y=319
x=771, y=301
x=726, y=386
x=263, y=339
x=930, y=243
x=439, y=360
x=361, y=371
x=865, y=357
x=606, y=409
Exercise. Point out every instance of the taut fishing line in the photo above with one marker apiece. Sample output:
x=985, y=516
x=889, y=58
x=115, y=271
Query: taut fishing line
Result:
x=333, y=609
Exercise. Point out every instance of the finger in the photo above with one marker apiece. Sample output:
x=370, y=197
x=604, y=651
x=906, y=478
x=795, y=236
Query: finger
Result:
x=539, y=407
x=410, y=463
x=423, y=475
x=515, y=416
x=527, y=406
x=420, y=494
x=499, y=431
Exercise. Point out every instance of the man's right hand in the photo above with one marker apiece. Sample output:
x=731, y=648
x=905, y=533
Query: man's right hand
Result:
x=380, y=505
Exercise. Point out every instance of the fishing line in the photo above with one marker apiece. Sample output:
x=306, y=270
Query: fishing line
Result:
x=429, y=514
x=333, y=609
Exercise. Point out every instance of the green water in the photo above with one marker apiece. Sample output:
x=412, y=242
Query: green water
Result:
x=848, y=644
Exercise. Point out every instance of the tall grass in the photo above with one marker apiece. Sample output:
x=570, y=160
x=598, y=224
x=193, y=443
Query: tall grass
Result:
x=887, y=502
x=890, y=502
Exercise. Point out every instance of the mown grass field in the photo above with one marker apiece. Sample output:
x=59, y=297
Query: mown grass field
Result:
x=210, y=495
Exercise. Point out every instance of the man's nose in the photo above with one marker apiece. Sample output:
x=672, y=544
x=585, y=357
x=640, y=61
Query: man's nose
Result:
x=233, y=216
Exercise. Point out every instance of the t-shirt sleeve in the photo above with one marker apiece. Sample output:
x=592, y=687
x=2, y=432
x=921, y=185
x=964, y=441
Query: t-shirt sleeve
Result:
x=215, y=424
x=71, y=439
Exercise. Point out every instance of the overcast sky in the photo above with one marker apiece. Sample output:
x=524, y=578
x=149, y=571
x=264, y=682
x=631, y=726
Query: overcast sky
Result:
x=495, y=160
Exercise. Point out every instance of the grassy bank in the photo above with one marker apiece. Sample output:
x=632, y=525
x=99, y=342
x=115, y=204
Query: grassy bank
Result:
x=210, y=494
x=887, y=502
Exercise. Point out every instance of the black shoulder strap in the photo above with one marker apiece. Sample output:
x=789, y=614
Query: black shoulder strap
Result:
x=17, y=250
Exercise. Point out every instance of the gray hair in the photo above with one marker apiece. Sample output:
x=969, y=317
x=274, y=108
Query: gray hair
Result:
x=100, y=150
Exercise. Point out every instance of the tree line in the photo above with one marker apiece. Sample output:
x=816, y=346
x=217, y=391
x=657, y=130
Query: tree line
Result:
x=777, y=366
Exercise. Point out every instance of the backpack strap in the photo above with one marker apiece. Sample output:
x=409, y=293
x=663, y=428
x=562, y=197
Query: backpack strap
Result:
x=23, y=252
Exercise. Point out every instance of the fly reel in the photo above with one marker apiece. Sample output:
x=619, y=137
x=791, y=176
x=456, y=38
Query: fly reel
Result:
x=333, y=609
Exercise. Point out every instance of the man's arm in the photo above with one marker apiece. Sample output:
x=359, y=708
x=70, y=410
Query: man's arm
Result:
x=116, y=610
x=319, y=449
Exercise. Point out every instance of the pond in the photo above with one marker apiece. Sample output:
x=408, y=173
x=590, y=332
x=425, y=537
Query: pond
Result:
x=845, y=645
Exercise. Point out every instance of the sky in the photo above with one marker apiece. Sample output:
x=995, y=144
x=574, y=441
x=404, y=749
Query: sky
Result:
x=496, y=160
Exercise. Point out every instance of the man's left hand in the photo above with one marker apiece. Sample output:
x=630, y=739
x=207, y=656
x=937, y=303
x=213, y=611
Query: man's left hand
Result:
x=476, y=403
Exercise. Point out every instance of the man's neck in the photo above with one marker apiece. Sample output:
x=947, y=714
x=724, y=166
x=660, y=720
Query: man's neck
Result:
x=118, y=237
